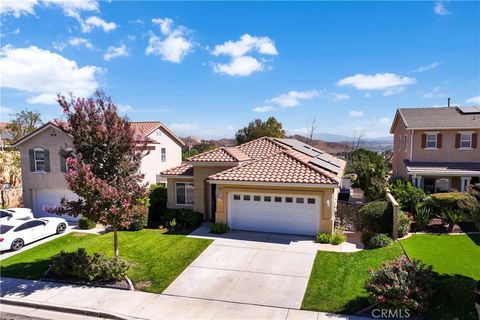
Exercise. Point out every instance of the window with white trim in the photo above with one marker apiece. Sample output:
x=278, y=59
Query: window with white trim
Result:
x=465, y=140
x=399, y=143
x=431, y=140
x=68, y=154
x=184, y=193
x=164, y=154
x=405, y=137
x=39, y=158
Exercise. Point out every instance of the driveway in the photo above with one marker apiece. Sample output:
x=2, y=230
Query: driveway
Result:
x=249, y=267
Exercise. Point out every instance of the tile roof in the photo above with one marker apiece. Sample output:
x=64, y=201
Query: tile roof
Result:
x=260, y=148
x=145, y=127
x=215, y=155
x=184, y=169
x=435, y=118
x=281, y=167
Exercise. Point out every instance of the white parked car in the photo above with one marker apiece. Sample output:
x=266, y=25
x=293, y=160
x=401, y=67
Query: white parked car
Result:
x=17, y=233
x=15, y=214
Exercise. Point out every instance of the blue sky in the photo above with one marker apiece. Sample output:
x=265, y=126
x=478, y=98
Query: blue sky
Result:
x=206, y=69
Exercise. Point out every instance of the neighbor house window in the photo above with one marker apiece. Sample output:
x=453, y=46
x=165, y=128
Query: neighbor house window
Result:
x=465, y=140
x=431, y=140
x=164, y=154
x=399, y=143
x=184, y=193
x=405, y=137
x=39, y=156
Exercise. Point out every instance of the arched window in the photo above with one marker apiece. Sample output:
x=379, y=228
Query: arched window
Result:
x=39, y=159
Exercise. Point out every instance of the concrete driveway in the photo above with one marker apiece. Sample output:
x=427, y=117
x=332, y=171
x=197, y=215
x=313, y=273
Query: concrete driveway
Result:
x=249, y=267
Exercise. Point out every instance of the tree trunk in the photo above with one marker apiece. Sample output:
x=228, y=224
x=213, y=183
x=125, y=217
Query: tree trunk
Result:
x=115, y=242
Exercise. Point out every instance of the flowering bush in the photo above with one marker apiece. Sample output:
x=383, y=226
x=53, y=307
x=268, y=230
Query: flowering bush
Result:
x=401, y=284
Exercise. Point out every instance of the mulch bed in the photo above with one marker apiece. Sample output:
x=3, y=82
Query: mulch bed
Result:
x=124, y=284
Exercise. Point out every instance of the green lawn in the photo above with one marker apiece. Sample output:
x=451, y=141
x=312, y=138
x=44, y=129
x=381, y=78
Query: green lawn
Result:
x=456, y=260
x=449, y=255
x=336, y=281
x=156, y=259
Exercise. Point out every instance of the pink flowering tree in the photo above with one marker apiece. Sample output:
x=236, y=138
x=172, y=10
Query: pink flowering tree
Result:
x=104, y=171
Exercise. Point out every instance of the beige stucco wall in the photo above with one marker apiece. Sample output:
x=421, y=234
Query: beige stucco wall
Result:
x=400, y=153
x=447, y=152
x=171, y=196
x=50, y=139
x=327, y=209
x=201, y=186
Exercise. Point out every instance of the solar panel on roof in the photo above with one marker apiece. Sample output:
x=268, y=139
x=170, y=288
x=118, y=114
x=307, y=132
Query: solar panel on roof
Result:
x=469, y=110
x=329, y=158
x=308, y=152
x=325, y=165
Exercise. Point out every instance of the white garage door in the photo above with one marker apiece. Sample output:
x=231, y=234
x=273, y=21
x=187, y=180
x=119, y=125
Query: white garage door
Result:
x=50, y=198
x=279, y=213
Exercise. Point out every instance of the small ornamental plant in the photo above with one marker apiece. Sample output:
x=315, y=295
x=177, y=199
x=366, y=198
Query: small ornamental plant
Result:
x=401, y=284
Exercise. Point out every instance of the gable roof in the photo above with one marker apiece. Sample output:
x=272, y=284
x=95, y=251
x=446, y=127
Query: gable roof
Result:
x=221, y=154
x=281, y=167
x=184, y=169
x=438, y=118
x=50, y=124
x=148, y=127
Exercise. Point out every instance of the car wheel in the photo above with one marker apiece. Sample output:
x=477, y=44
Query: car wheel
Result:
x=61, y=228
x=17, y=244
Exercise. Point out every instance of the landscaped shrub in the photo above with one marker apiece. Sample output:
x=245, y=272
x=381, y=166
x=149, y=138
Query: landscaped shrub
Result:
x=461, y=202
x=138, y=223
x=218, y=228
x=86, y=224
x=406, y=194
x=82, y=266
x=377, y=216
x=379, y=241
x=366, y=236
x=338, y=237
x=377, y=189
x=184, y=219
x=451, y=218
x=323, y=237
x=401, y=284
x=403, y=225
x=423, y=215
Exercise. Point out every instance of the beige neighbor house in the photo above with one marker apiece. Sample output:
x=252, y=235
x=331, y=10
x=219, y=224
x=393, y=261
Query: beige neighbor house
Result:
x=43, y=161
x=437, y=148
x=268, y=185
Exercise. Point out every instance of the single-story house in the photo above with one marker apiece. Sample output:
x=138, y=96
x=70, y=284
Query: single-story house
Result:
x=268, y=185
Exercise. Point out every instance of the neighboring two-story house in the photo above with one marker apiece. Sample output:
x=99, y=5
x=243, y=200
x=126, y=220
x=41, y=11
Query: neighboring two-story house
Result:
x=437, y=149
x=268, y=184
x=43, y=161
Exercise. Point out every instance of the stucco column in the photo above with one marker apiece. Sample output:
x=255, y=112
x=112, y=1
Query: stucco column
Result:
x=465, y=182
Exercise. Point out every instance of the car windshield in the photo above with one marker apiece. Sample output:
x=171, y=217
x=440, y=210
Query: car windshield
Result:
x=4, y=229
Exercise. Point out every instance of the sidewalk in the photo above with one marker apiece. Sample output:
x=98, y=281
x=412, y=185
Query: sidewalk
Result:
x=143, y=305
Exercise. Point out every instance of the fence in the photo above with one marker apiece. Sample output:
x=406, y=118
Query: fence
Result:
x=348, y=215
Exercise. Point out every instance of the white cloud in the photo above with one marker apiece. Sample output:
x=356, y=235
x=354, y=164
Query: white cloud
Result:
x=174, y=46
x=263, y=109
x=165, y=25
x=113, y=52
x=385, y=121
x=339, y=96
x=428, y=67
x=44, y=74
x=202, y=131
x=367, y=95
x=76, y=41
x=124, y=108
x=17, y=31
x=17, y=8
x=242, y=62
x=440, y=9
x=293, y=98
x=434, y=93
x=475, y=99
x=5, y=113
x=97, y=22
x=390, y=83
x=239, y=66
x=355, y=114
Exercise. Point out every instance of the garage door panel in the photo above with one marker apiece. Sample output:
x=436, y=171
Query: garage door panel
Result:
x=50, y=198
x=273, y=216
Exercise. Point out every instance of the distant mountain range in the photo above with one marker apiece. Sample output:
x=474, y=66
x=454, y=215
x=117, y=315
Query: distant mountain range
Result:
x=330, y=143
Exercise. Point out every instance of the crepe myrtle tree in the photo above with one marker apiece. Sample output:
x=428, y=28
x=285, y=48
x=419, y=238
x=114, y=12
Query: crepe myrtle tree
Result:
x=104, y=171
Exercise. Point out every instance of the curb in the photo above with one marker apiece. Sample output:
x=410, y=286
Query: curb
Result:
x=63, y=309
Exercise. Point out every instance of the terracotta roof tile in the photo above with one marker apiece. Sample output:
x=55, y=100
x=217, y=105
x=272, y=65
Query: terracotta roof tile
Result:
x=184, y=169
x=281, y=167
x=215, y=155
x=145, y=127
x=260, y=148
